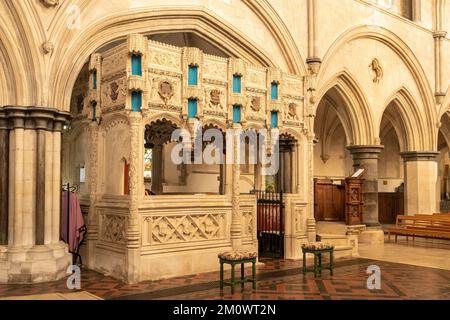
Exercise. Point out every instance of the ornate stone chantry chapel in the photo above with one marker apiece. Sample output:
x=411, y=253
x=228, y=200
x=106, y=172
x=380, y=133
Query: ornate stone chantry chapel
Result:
x=92, y=93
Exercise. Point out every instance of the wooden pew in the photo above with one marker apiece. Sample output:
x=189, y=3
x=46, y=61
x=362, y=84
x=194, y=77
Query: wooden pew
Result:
x=423, y=226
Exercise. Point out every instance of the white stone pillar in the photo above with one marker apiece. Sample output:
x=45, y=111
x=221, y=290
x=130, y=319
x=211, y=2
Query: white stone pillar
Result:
x=421, y=171
x=136, y=194
x=236, y=220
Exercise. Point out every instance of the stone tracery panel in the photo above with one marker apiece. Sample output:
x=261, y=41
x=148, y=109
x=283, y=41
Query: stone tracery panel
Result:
x=183, y=227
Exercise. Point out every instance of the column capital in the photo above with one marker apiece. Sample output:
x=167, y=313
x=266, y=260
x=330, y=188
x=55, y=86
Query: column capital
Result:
x=33, y=117
x=440, y=34
x=419, y=155
x=366, y=151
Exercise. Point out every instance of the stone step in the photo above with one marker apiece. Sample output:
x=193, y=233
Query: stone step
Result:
x=336, y=239
x=343, y=252
x=331, y=228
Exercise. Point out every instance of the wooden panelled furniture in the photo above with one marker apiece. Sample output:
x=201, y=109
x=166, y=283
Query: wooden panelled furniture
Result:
x=435, y=226
x=329, y=200
x=354, y=202
x=389, y=206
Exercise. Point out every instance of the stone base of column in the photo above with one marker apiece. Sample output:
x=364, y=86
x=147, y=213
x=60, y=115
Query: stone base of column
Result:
x=34, y=265
x=372, y=235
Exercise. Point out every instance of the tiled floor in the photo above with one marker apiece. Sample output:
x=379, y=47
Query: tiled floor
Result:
x=277, y=280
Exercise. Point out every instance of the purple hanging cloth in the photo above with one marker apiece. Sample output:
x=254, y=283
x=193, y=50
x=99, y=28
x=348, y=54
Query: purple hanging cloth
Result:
x=76, y=221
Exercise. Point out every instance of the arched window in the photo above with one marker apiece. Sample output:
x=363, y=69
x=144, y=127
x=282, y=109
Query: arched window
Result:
x=408, y=9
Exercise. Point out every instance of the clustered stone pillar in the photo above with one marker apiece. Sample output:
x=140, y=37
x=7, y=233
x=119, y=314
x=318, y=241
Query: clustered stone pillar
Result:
x=366, y=157
x=33, y=170
x=421, y=171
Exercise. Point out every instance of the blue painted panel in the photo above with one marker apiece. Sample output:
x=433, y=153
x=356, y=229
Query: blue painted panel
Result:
x=193, y=76
x=236, y=114
x=94, y=80
x=274, y=91
x=237, y=82
x=136, y=65
x=274, y=119
x=136, y=101
x=192, y=108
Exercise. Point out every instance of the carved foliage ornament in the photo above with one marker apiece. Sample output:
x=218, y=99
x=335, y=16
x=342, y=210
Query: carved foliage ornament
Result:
x=215, y=97
x=376, y=70
x=292, y=110
x=48, y=47
x=50, y=3
x=256, y=104
x=114, y=91
x=165, y=91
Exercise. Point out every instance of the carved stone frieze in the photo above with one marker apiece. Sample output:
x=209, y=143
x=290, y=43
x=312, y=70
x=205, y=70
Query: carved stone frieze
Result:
x=114, y=228
x=170, y=229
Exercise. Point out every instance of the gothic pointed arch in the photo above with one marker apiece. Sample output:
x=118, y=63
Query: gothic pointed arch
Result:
x=405, y=117
x=351, y=106
x=426, y=115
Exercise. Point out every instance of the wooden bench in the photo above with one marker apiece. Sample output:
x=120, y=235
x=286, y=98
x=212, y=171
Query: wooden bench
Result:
x=421, y=226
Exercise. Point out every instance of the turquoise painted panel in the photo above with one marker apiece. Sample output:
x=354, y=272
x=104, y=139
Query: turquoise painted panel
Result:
x=136, y=65
x=136, y=101
x=193, y=76
x=192, y=108
x=274, y=119
x=236, y=114
x=274, y=91
x=94, y=80
x=237, y=82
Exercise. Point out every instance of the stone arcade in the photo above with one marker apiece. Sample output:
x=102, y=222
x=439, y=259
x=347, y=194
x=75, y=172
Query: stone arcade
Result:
x=94, y=104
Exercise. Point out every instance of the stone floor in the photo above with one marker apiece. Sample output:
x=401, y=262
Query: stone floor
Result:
x=416, y=278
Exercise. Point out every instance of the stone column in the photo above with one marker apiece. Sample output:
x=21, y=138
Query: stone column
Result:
x=311, y=229
x=294, y=163
x=41, y=126
x=366, y=157
x=92, y=235
x=157, y=170
x=4, y=157
x=236, y=220
x=136, y=194
x=56, y=190
x=421, y=170
x=34, y=253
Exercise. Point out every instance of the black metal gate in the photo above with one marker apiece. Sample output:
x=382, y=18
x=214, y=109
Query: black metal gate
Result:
x=270, y=223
